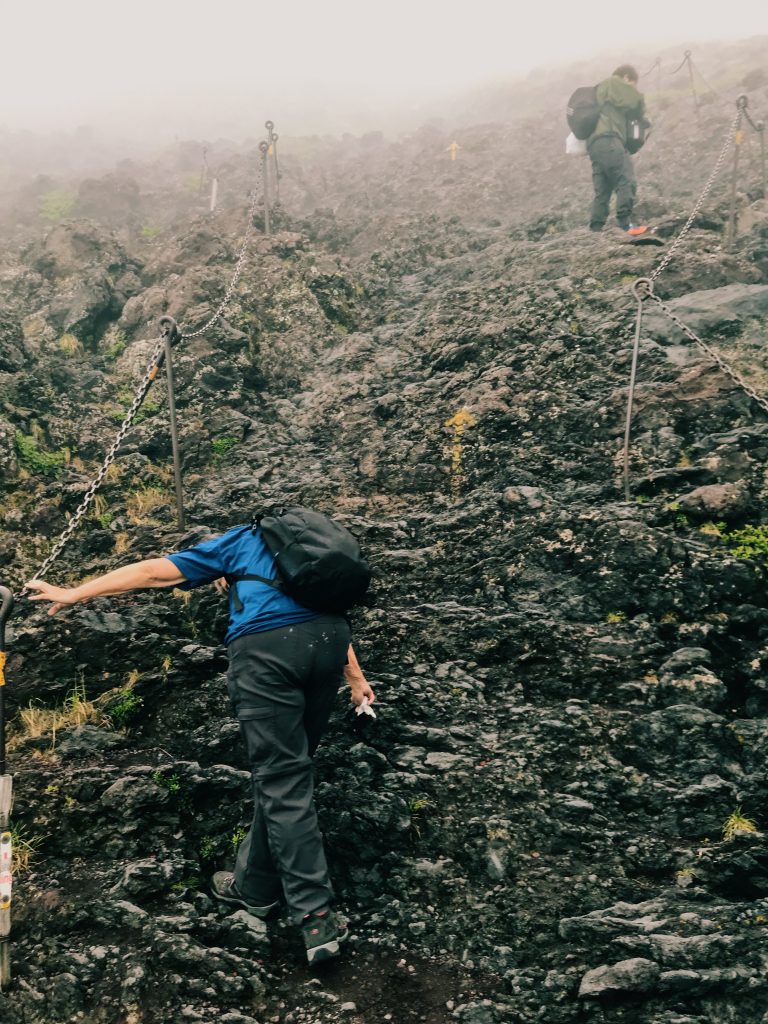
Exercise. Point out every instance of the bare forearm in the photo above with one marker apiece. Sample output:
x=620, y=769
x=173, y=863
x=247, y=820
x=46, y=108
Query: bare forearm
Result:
x=147, y=574
x=354, y=676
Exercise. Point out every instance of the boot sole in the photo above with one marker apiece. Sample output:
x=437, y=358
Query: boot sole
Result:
x=328, y=950
x=261, y=912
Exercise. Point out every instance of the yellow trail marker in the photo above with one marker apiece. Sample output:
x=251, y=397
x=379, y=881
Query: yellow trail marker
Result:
x=459, y=422
x=453, y=149
x=739, y=137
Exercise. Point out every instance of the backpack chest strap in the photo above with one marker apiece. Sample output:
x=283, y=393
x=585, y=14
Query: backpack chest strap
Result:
x=232, y=580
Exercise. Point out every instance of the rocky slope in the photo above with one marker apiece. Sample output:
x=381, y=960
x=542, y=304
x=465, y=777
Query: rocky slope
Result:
x=572, y=688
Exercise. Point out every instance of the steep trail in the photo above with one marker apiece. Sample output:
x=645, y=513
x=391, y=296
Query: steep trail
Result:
x=572, y=689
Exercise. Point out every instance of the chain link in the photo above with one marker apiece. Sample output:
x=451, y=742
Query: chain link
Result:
x=714, y=356
x=153, y=368
x=238, y=266
x=729, y=140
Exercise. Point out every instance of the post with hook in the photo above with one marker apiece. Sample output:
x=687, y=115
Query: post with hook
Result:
x=689, y=62
x=641, y=289
x=6, y=802
x=264, y=149
x=171, y=335
x=272, y=138
x=741, y=106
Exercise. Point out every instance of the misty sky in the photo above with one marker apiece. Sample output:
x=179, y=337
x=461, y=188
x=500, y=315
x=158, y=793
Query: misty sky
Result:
x=169, y=62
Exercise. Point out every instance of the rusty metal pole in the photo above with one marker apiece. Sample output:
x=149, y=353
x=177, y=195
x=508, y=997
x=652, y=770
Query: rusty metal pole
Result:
x=264, y=148
x=641, y=289
x=693, y=83
x=741, y=105
x=172, y=335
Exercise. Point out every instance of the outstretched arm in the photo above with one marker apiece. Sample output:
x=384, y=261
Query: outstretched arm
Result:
x=358, y=684
x=147, y=574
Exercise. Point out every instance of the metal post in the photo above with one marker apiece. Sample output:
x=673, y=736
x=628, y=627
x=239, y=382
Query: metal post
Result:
x=647, y=284
x=761, y=130
x=170, y=331
x=693, y=84
x=272, y=138
x=214, y=193
x=741, y=105
x=6, y=801
x=264, y=148
x=203, y=170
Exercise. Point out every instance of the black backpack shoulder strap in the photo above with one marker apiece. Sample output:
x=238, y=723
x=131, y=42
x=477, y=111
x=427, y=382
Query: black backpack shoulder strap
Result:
x=233, y=581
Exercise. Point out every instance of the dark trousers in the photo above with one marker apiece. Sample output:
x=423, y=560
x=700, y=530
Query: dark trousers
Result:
x=282, y=685
x=612, y=171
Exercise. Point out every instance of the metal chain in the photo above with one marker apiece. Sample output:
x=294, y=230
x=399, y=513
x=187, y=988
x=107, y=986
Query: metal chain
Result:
x=656, y=64
x=153, y=368
x=238, y=266
x=681, y=65
x=734, y=127
x=728, y=370
x=155, y=363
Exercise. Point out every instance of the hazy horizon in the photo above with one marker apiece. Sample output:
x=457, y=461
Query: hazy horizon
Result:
x=166, y=69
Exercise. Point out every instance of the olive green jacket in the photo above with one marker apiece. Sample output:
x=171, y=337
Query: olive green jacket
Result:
x=617, y=99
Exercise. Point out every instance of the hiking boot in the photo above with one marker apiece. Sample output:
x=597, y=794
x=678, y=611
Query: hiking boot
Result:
x=224, y=889
x=323, y=932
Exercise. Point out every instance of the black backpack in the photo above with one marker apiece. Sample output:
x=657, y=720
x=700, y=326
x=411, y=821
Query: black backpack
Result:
x=318, y=561
x=583, y=112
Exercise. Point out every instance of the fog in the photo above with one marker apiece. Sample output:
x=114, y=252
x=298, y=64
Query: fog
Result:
x=161, y=69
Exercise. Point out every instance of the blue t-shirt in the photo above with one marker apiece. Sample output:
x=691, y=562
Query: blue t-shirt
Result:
x=239, y=552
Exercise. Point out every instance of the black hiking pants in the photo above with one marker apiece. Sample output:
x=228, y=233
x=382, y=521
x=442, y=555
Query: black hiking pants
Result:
x=612, y=171
x=282, y=685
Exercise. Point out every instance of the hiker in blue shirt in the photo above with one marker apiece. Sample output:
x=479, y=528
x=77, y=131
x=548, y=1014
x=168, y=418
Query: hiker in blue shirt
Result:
x=285, y=667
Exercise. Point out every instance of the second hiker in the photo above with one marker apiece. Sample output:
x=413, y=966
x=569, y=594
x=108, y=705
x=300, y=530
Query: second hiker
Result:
x=621, y=113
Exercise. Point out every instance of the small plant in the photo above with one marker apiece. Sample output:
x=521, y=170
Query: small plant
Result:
x=207, y=848
x=681, y=521
x=616, y=617
x=116, y=349
x=150, y=231
x=749, y=542
x=237, y=837
x=100, y=512
x=34, y=460
x=221, y=445
x=56, y=205
x=417, y=806
x=24, y=848
x=170, y=782
x=125, y=707
x=736, y=823
x=712, y=529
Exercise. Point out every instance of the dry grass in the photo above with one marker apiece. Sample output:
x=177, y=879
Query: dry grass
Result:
x=23, y=848
x=140, y=503
x=35, y=721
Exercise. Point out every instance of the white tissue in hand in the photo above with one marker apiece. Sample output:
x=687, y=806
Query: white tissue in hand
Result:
x=364, y=708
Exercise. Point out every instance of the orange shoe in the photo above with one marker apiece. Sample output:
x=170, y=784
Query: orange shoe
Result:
x=637, y=229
